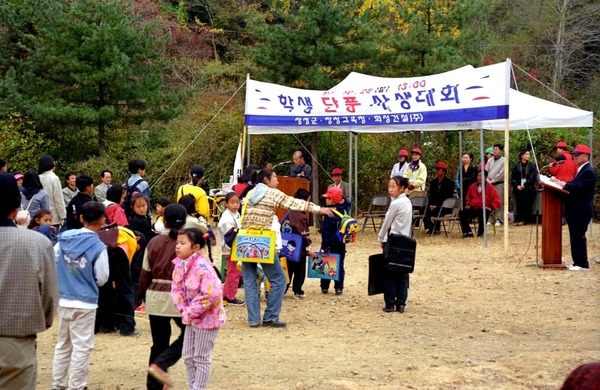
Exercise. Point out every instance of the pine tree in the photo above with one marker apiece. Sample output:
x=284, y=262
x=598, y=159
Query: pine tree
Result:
x=90, y=64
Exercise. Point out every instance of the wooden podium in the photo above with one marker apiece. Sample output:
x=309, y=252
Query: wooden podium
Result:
x=552, y=226
x=289, y=185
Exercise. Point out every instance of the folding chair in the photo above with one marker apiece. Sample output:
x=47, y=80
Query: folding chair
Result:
x=377, y=209
x=419, y=205
x=452, y=218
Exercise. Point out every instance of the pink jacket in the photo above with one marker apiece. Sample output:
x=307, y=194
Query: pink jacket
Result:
x=197, y=293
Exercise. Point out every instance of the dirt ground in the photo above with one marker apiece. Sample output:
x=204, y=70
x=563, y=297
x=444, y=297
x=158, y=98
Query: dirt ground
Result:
x=476, y=318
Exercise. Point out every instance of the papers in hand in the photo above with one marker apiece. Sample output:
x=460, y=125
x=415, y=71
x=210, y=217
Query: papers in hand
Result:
x=546, y=180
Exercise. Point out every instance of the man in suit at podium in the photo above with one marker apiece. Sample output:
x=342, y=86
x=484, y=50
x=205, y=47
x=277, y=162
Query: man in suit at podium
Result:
x=300, y=168
x=579, y=205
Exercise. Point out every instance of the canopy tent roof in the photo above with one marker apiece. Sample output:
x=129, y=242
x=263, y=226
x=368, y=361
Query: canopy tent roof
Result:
x=465, y=98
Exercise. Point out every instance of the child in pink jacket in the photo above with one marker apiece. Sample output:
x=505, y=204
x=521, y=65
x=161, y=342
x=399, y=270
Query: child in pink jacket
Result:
x=197, y=294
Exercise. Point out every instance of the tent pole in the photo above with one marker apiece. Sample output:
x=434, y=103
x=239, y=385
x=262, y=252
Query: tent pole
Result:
x=355, y=200
x=506, y=181
x=483, y=180
x=591, y=162
x=350, y=181
x=243, y=142
x=460, y=169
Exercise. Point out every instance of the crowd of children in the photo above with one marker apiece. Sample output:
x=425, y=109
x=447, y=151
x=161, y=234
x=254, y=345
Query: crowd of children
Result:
x=165, y=266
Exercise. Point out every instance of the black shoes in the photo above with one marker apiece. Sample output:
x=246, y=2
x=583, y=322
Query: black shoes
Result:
x=467, y=235
x=338, y=291
x=275, y=323
x=400, y=308
x=388, y=309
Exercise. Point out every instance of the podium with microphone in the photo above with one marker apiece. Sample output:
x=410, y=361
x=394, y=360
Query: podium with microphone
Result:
x=552, y=223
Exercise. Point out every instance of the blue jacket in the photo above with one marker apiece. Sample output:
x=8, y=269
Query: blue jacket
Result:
x=78, y=251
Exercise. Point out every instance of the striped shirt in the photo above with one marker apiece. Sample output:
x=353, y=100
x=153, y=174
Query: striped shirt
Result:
x=261, y=214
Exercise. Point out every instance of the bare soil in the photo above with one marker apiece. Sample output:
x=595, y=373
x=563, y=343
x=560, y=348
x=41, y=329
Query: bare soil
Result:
x=477, y=318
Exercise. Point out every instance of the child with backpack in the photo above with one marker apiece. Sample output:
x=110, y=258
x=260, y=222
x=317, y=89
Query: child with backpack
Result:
x=135, y=184
x=298, y=221
x=331, y=239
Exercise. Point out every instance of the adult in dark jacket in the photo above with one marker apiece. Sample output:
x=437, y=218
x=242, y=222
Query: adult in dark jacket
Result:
x=579, y=206
x=523, y=180
x=85, y=185
x=469, y=174
x=440, y=189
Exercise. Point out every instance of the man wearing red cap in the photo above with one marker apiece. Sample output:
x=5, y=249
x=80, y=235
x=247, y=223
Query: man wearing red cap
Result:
x=400, y=166
x=416, y=173
x=440, y=189
x=562, y=166
x=579, y=206
x=336, y=175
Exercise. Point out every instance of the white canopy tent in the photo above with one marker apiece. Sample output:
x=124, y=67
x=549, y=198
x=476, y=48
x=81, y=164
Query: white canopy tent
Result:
x=465, y=98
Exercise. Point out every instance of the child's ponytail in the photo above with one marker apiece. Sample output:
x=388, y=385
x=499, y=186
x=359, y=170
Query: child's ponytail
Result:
x=174, y=219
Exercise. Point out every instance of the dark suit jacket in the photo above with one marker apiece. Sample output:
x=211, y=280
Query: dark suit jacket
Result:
x=438, y=192
x=579, y=202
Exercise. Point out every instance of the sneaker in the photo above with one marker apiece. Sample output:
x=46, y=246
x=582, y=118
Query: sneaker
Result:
x=299, y=296
x=160, y=375
x=234, y=302
x=388, y=309
x=578, y=268
x=141, y=309
x=400, y=308
x=498, y=223
x=135, y=332
x=275, y=323
x=324, y=290
x=489, y=223
x=338, y=291
x=466, y=235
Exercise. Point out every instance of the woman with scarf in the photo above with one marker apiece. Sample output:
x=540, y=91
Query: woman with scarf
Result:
x=33, y=196
x=262, y=202
x=523, y=179
x=416, y=173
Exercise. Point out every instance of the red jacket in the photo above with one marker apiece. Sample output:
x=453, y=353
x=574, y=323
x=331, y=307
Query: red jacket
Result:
x=565, y=171
x=492, y=199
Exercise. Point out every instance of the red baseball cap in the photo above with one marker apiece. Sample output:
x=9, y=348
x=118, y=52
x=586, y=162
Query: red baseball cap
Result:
x=441, y=165
x=581, y=149
x=336, y=171
x=335, y=194
x=416, y=150
x=402, y=152
x=561, y=144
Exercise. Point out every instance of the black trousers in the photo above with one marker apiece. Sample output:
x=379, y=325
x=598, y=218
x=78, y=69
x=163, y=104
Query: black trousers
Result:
x=297, y=273
x=395, y=289
x=116, y=297
x=577, y=230
x=467, y=214
x=161, y=353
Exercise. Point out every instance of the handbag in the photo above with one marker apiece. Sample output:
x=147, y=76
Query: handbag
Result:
x=254, y=245
x=399, y=253
x=292, y=244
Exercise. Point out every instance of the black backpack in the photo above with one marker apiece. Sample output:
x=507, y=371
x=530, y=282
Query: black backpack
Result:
x=127, y=202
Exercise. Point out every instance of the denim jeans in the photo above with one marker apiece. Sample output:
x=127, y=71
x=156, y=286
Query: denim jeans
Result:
x=274, y=272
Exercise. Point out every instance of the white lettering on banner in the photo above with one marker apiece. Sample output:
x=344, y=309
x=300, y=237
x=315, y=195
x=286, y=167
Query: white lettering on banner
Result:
x=466, y=95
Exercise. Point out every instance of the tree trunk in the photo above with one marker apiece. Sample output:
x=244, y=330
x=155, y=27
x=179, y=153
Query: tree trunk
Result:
x=559, y=52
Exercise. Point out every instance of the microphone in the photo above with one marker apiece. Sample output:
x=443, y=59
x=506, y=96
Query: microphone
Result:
x=281, y=163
